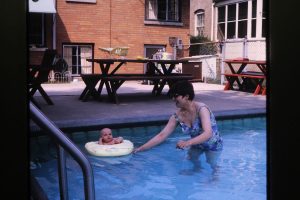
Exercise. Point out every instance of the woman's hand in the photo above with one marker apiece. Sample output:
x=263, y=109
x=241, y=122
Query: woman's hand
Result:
x=182, y=144
x=137, y=149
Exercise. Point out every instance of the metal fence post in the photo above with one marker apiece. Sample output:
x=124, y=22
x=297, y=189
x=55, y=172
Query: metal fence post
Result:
x=223, y=46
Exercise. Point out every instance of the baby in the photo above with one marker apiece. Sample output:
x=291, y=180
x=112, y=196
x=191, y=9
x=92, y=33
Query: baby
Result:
x=106, y=137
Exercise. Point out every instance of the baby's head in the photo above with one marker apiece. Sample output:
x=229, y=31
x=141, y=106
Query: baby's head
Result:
x=106, y=135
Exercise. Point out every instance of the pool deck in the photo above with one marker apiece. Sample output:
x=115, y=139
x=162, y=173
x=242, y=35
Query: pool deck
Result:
x=137, y=105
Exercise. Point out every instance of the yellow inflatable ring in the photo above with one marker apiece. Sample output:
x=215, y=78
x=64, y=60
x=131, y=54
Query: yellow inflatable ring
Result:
x=124, y=148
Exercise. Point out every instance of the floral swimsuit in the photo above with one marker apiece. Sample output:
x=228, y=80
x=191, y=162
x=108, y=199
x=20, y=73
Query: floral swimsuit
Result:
x=215, y=143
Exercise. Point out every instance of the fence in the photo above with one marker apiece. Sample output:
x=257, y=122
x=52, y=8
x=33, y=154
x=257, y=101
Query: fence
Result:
x=212, y=54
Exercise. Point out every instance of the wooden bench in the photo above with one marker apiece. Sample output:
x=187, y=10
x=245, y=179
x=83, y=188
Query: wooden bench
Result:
x=113, y=83
x=259, y=77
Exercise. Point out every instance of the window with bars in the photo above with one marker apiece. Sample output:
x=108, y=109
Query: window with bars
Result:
x=163, y=10
x=76, y=55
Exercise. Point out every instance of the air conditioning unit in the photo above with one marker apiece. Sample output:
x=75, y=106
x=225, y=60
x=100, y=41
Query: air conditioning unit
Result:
x=175, y=42
x=179, y=44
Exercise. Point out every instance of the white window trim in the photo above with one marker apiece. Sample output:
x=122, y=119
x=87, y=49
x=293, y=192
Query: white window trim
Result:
x=196, y=22
x=249, y=22
x=236, y=21
x=259, y=18
x=77, y=54
x=226, y=22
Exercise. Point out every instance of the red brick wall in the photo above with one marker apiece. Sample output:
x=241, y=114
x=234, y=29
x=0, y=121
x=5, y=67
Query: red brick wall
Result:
x=90, y=23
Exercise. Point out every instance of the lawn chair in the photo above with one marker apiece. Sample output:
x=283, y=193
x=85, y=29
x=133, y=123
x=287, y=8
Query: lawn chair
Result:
x=39, y=74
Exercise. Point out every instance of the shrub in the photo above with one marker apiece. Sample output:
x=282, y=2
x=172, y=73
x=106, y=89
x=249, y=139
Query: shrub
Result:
x=202, y=49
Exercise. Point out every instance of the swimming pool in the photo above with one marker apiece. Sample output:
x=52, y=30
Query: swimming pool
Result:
x=164, y=172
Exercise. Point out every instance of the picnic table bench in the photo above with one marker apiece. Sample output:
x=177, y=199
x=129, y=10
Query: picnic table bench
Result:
x=246, y=81
x=250, y=81
x=112, y=79
x=115, y=81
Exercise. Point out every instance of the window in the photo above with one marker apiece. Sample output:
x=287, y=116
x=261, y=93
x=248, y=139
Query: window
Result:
x=263, y=32
x=151, y=52
x=253, y=18
x=199, y=22
x=242, y=19
x=76, y=55
x=221, y=23
x=36, y=30
x=233, y=20
x=163, y=10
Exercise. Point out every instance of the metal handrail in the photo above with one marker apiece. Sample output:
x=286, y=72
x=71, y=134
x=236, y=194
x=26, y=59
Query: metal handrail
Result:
x=64, y=143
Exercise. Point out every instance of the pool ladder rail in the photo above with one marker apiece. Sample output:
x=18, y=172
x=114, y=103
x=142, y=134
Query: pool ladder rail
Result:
x=65, y=144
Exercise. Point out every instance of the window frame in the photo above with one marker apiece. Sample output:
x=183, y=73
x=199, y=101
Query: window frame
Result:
x=242, y=19
x=42, y=32
x=154, y=18
x=155, y=48
x=199, y=27
x=77, y=66
x=258, y=18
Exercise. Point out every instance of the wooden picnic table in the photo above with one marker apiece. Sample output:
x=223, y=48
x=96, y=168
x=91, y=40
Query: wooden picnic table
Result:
x=113, y=80
x=246, y=79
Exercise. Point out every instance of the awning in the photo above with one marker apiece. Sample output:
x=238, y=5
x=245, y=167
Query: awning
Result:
x=42, y=6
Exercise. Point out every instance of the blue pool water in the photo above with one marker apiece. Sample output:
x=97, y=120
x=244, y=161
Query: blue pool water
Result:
x=164, y=171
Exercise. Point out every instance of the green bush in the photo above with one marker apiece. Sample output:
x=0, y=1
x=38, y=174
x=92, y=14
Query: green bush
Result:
x=202, y=49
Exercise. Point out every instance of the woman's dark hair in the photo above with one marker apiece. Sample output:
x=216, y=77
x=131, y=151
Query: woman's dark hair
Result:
x=183, y=88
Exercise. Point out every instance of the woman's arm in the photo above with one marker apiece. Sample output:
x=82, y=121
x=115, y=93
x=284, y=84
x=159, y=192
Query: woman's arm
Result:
x=160, y=137
x=204, y=115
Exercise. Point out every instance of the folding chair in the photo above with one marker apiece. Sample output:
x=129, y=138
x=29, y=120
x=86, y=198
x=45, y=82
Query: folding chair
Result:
x=39, y=74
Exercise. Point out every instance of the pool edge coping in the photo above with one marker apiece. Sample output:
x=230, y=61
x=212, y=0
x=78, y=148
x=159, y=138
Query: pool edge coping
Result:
x=92, y=124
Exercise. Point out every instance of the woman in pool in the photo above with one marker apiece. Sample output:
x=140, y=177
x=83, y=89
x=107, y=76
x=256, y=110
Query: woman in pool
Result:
x=195, y=119
x=106, y=137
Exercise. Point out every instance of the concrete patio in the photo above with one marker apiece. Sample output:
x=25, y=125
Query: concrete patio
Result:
x=137, y=105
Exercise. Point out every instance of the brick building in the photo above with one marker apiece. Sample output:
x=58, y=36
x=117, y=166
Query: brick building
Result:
x=77, y=28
